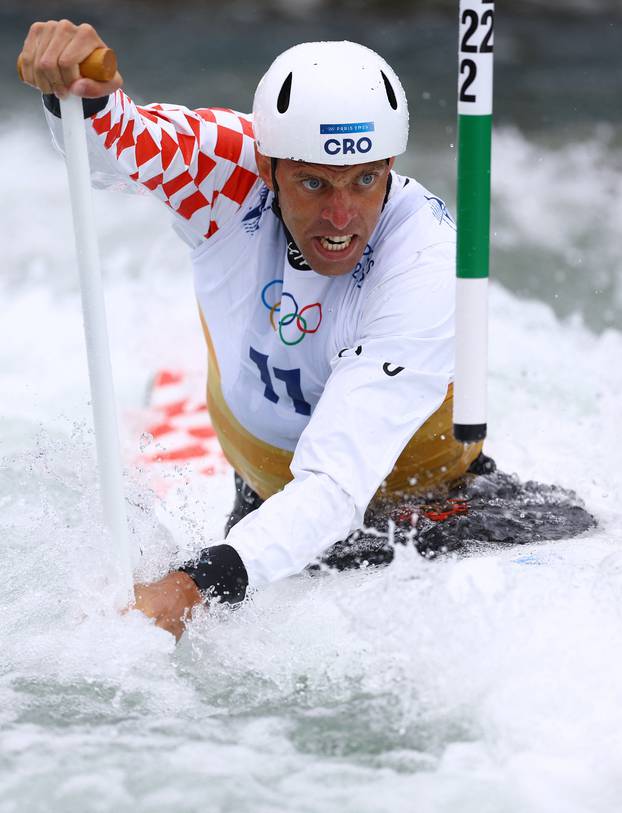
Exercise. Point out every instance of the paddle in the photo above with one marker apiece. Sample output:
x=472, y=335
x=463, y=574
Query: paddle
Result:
x=101, y=65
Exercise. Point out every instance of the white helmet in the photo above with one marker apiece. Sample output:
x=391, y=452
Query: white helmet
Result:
x=330, y=103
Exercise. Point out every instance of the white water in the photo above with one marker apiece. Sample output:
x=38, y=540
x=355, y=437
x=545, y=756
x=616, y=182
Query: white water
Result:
x=484, y=684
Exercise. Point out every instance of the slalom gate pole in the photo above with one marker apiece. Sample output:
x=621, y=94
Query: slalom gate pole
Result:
x=475, y=69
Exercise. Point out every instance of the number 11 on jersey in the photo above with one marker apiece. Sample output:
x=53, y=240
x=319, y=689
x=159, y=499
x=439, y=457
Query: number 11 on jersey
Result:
x=291, y=379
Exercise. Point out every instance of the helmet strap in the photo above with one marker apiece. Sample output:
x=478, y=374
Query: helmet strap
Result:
x=276, y=208
x=386, y=194
x=294, y=254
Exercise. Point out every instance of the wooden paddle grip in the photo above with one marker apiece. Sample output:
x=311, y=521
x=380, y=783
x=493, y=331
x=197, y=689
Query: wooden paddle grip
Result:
x=101, y=65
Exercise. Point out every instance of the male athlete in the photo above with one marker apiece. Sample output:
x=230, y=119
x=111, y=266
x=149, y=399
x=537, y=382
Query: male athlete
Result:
x=325, y=282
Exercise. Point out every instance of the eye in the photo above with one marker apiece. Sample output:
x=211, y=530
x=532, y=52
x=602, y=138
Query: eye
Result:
x=367, y=179
x=312, y=184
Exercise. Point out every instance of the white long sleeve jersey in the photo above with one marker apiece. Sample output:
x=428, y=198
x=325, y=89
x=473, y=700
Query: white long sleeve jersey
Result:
x=340, y=371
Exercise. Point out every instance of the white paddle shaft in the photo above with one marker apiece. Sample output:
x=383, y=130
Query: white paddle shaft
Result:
x=100, y=369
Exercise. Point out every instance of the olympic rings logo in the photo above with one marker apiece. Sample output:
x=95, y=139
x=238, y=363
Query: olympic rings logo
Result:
x=294, y=326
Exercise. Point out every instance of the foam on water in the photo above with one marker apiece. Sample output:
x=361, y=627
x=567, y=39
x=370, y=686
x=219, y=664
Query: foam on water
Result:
x=557, y=214
x=483, y=684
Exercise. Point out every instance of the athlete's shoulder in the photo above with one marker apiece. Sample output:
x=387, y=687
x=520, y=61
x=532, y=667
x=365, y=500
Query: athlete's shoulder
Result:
x=412, y=252
x=414, y=214
x=415, y=231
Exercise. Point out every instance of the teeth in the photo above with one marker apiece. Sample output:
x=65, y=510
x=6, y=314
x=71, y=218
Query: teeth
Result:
x=336, y=243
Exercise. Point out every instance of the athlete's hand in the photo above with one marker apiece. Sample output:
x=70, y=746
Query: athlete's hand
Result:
x=51, y=57
x=168, y=601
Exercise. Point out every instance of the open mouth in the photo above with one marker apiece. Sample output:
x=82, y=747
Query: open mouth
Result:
x=336, y=242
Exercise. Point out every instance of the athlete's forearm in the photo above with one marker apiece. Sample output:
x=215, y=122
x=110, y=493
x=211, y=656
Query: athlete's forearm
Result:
x=294, y=527
x=288, y=531
x=106, y=170
x=116, y=130
x=199, y=163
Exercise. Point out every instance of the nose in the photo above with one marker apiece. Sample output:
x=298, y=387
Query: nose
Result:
x=338, y=210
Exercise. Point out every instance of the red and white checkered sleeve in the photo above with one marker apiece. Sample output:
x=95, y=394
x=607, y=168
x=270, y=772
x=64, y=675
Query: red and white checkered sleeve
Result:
x=200, y=163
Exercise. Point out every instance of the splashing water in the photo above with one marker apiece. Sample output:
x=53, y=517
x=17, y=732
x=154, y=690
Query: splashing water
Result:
x=487, y=683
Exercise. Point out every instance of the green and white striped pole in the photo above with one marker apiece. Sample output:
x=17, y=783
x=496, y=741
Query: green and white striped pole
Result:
x=474, y=136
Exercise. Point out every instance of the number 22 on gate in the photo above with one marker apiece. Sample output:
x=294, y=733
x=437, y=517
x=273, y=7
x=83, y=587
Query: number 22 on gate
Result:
x=477, y=19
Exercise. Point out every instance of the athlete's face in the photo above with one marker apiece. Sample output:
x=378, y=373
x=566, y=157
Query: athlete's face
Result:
x=330, y=211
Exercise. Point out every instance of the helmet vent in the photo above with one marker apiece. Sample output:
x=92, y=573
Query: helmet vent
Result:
x=282, y=103
x=387, y=86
